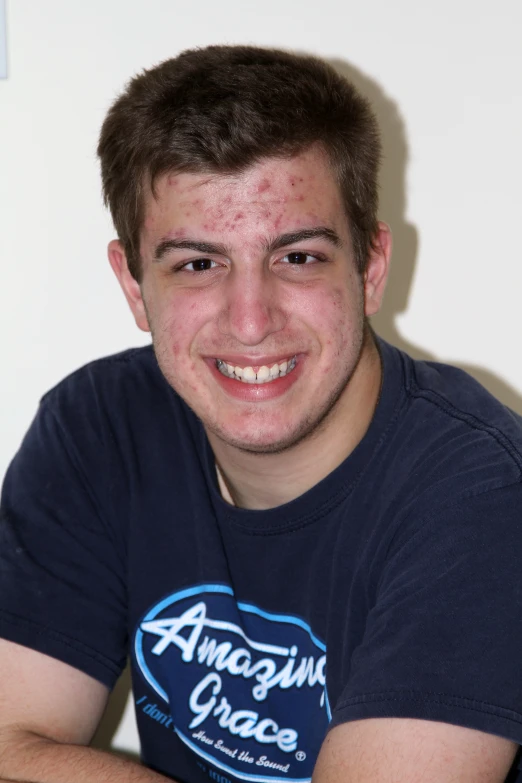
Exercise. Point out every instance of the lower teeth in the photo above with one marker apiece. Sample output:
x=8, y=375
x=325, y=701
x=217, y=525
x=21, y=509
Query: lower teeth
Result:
x=223, y=369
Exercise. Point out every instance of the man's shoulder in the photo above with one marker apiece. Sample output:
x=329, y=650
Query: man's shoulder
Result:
x=115, y=411
x=115, y=378
x=452, y=394
x=115, y=398
x=453, y=433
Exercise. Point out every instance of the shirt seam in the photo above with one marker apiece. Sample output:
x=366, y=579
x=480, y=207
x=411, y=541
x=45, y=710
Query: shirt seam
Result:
x=47, y=631
x=446, y=699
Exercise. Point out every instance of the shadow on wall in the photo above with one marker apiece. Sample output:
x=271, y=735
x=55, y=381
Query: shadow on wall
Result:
x=113, y=715
x=392, y=210
x=405, y=237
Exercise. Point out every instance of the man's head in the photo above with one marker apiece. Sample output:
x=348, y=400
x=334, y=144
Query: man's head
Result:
x=243, y=187
x=221, y=109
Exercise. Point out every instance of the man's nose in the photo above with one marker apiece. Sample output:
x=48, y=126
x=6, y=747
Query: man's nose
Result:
x=252, y=308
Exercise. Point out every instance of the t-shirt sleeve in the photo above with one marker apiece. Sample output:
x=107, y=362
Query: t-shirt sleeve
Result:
x=443, y=640
x=62, y=587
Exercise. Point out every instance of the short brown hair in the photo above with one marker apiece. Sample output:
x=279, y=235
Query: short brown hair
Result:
x=223, y=108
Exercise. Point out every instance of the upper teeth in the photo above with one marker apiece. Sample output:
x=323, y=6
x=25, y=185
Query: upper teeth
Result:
x=263, y=374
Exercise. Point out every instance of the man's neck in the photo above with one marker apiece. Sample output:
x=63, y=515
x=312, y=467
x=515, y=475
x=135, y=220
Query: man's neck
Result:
x=262, y=481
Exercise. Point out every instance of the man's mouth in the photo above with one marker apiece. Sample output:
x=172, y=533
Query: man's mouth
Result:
x=255, y=374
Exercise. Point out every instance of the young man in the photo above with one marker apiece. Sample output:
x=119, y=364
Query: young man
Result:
x=308, y=543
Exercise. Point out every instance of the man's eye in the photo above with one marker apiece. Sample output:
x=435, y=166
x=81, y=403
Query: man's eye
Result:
x=199, y=265
x=298, y=257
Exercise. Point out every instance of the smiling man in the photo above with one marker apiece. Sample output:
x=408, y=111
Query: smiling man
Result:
x=308, y=544
x=250, y=287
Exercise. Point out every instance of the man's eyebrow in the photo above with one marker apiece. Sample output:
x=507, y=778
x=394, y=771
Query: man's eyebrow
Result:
x=291, y=238
x=209, y=248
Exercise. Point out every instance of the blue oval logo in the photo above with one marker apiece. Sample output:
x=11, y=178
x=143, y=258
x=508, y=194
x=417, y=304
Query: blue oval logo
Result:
x=246, y=689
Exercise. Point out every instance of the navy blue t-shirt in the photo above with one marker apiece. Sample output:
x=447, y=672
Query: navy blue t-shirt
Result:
x=391, y=588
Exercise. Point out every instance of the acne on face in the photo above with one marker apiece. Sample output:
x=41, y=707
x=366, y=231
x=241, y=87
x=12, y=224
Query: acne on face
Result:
x=275, y=192
x=278, y=222
x=319, y=318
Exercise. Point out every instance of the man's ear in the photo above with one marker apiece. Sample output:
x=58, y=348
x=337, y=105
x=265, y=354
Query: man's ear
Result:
x=129, y=285
x=377, y=268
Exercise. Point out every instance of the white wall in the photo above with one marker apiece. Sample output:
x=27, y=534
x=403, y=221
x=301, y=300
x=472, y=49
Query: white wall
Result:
x=446, y=80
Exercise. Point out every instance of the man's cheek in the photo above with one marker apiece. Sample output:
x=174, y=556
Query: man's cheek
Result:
x=174, y=327
x=331, y=308
x=341, y=323
x=181, y=348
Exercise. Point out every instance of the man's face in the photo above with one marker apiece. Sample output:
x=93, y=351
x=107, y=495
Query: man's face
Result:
x=252, y=296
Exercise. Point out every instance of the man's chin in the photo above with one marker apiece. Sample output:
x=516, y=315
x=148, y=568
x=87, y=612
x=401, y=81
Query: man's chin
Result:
x=266, y=442
x=274, y=447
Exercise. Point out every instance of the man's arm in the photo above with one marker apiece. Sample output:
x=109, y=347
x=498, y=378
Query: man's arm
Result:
x=399, y=750
x=49, y=712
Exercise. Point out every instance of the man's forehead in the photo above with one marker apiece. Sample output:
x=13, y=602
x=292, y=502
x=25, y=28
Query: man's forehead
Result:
x=267, y=178
x=254, y=207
